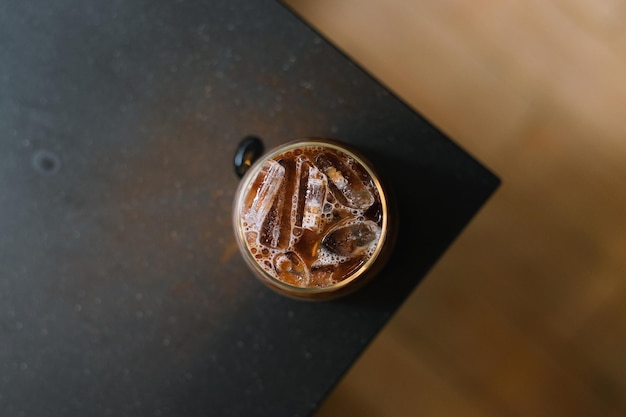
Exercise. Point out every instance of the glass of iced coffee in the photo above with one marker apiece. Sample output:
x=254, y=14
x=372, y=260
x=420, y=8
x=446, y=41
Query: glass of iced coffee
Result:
x=313, y=220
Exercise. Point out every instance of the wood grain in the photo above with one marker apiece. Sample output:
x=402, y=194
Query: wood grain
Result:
x=525, y=315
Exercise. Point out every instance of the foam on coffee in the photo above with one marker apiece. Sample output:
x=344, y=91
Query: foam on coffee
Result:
x=311, y=216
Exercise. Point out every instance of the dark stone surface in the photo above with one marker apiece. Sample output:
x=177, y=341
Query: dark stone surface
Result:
x=121, y=290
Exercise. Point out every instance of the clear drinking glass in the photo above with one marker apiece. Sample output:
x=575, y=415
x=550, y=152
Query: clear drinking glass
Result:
x=312, y=219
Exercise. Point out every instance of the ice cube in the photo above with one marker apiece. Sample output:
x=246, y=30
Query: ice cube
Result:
x=270, y=230
x=272, y=174
x=290, y=268
x=299, y=197
x=344, y=183
x=277, y=226
x=352, y=239
x=314, y=200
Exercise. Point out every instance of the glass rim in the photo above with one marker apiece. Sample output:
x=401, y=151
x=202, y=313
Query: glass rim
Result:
x=246, y=183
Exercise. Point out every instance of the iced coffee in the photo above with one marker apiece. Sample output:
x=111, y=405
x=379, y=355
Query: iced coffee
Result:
x=311, y=217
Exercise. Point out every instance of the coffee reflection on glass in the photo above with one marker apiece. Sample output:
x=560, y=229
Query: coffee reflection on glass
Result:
x=312, y=219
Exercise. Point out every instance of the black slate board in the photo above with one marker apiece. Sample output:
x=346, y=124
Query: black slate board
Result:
x=121, y=291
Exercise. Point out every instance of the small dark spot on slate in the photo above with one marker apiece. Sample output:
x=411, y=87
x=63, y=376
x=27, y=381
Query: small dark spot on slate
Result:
x=46, y=162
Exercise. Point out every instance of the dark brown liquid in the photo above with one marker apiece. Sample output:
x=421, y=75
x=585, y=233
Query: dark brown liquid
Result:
x=312, y=216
